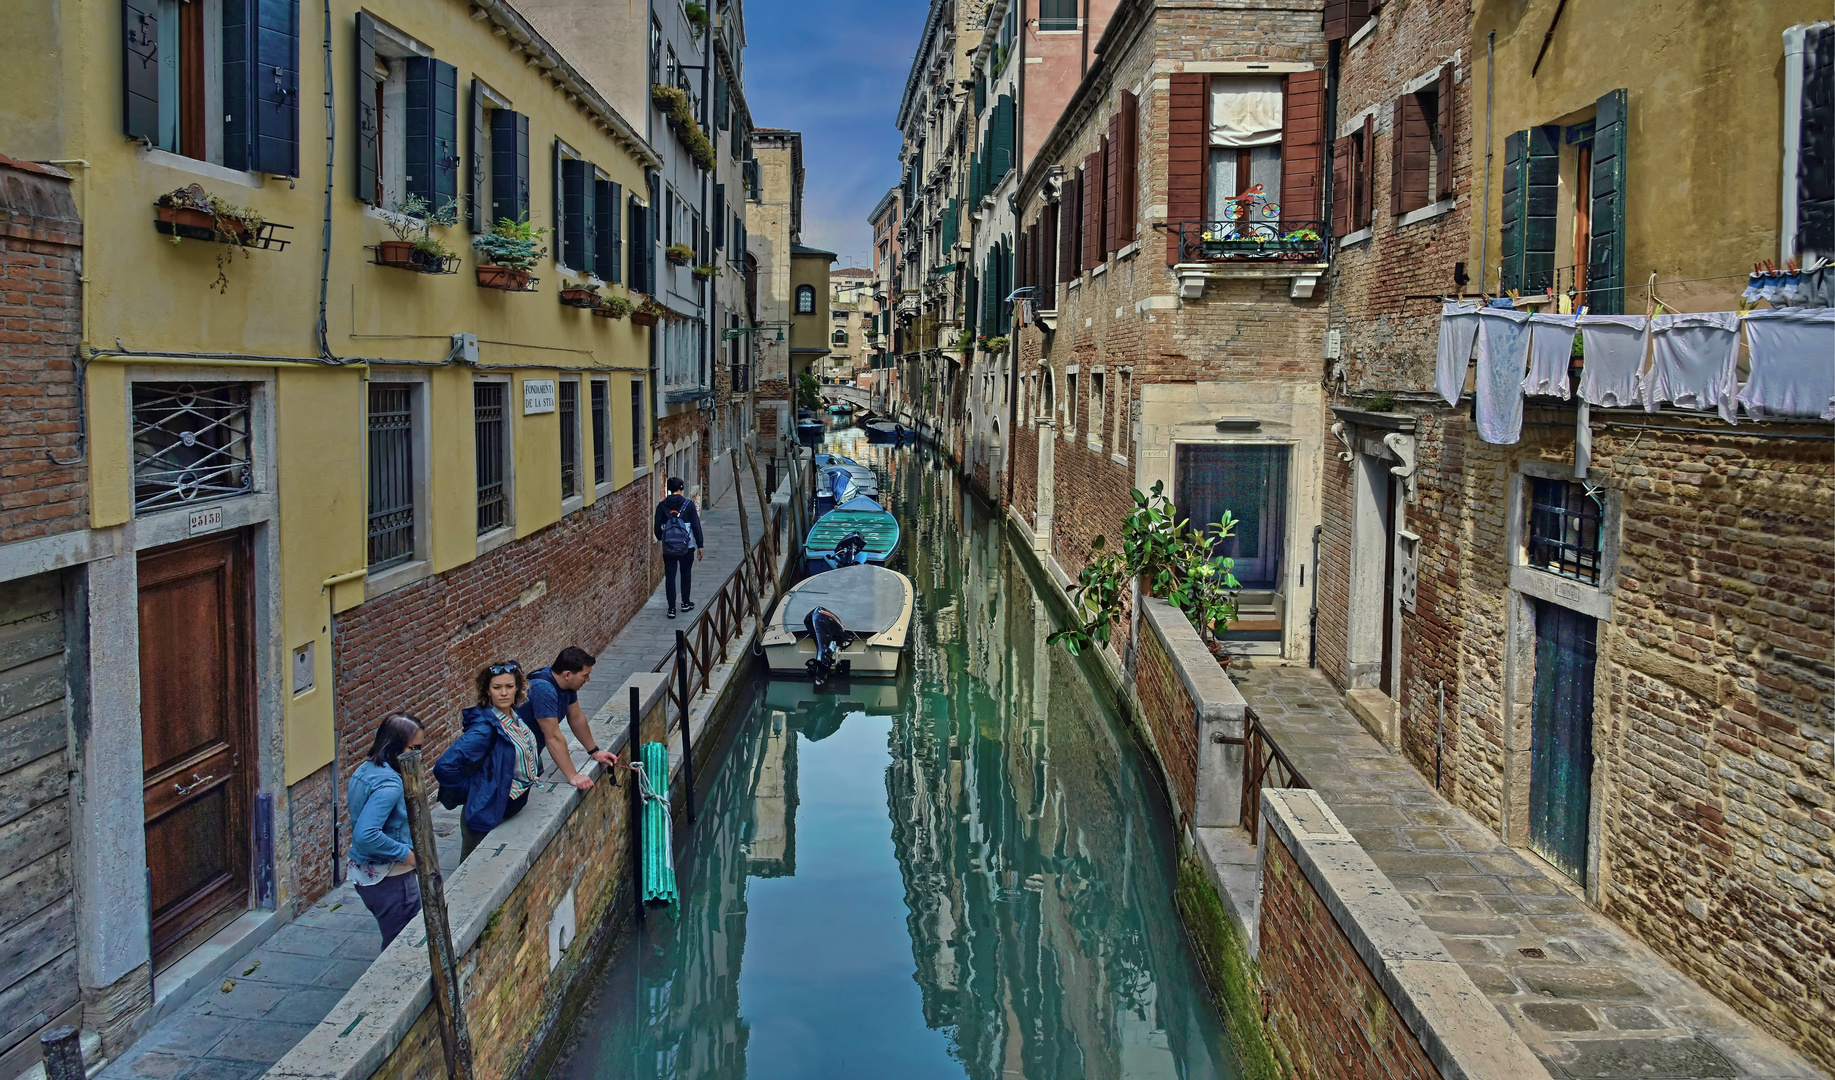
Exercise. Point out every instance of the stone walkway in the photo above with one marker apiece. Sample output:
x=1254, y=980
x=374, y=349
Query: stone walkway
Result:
x=287, y=984
x=1587, y=998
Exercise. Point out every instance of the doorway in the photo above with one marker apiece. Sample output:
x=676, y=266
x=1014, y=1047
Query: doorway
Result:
x=1561, y=737
x=197, y=722
x=1371, y=651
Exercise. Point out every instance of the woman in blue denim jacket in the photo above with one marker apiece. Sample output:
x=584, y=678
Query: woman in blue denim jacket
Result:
x=381, y=856
x=495, y=761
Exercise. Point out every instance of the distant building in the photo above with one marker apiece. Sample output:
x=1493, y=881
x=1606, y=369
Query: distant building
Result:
x=850, y=320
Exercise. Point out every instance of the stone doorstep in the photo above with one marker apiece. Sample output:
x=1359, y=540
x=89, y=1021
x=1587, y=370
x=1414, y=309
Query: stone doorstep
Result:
x=1376, y=711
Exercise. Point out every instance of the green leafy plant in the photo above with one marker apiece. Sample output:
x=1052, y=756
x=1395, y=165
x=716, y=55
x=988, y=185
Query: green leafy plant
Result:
x=512, y=244
x=1174, y=561
x=674, y=102
x=707, y=270
x=1379, y=402
x=617, y=306
x=232, y=226
x=994, y=344
x=679, y=253
x=808, y=391
x=407, y=218
x=697, y=16
x=432, y=249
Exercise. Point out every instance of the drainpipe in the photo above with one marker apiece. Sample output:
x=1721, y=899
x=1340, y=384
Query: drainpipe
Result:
x=1312, y=644
x=1484, y=215
x=337, y=735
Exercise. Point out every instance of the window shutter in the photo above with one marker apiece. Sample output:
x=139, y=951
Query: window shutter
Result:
x=1408, y=183
x=605, y=237
x=480, y=163
x=1544, y=196
x=719, y=215
x=1344, y=184
x=1366, y=174
x=1443, y=162
x=273, y=80
x=560, y=205
x=1606, y=246
x=981, y=94
x=432, y=136
x=1337, y=20
x=367, y=129
x=140, y=69
x=236, y=81
x=1092, y=212
x=576, y=233
x=1128, y=191
x=1048, y=249
x=1068, y=210
x=1024, y=257
x=1302, y=144
x=1111, y=186
x=640, y=243
x=1003, y=139
x=1511, y=210
x=1185, y=144
x=509, y=165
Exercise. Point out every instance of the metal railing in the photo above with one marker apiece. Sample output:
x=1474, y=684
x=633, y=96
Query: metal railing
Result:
x=1253, y=238
x=710, y=637
x=1263, y=765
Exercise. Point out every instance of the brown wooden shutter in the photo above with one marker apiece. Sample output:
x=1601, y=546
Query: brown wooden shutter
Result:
x=1092, y=210
x=1337, y=20
x=1366, y=174
x=1302, y=145
x=1070, y=209
x=1111, y=185
x=1344, y=184
x=1443, y=181
x=1128, y=193
x=1185, y=144
x=1398, y=184
x=1048, y=270
x=1413, y=151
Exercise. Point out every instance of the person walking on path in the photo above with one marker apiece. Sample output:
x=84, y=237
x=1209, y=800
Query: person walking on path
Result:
x=494, y=762
x=381, y=856
x=678, y=526
x=554, y=692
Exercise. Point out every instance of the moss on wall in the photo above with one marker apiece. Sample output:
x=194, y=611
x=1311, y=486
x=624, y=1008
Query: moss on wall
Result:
x=1223, y=956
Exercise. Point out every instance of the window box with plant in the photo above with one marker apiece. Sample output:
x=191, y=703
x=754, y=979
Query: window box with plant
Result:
x=581, y=296
x=191, y=213
x=673, y=101
x=679, y=254
x=707, y=271
x=507, y=253
x=415, y=247
x=994, y=344
x=614, y=307
x=697, y=16
x=647, y=313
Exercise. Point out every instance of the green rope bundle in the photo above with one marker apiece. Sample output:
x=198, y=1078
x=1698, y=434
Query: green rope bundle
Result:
x=659, y=860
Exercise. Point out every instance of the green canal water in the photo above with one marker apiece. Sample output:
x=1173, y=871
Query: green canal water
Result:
x=968, y=872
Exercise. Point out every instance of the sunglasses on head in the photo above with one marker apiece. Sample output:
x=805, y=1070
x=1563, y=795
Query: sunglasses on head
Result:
x=505, y=669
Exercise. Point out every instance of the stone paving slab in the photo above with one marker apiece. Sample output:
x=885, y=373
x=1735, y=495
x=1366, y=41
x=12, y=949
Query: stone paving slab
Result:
x=1590, y=1001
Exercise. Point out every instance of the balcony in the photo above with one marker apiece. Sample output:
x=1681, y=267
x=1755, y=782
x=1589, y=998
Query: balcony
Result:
x=1249, y=238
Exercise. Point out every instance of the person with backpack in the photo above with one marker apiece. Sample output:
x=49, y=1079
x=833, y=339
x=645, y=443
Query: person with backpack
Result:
x=678, y=526
x=492, y=765
x=554, y=692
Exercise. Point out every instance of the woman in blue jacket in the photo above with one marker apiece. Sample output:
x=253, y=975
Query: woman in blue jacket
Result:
x=495, y=761
x=381, y=857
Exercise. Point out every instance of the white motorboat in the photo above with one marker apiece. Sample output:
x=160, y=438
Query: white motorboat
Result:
x=848, y=621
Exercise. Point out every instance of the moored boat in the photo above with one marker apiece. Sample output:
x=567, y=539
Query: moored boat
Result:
x=850, y=621
x=857, y=531
x=809, y=432
x=887, y=431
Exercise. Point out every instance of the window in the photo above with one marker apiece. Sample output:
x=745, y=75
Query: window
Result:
x=570, y=437
x=1098, y=407
x=1352, y=173
x=391, y=479
x=637, y=424
x=1250, y=481
x=1809, y=194
x=1245, y=148
x=805, y=300
x=1070, y=405
x=602, y=428
x=491, y=448
x=1057, y=15
x=1411, y=151
x=191, y=444
x=1564, y=532
x=576, y=205
x=190, y=90
x=839, y=340
x=407, y=120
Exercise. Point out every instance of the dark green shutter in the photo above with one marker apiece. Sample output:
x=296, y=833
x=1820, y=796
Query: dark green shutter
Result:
x=480, y=164
x=559, y=221
x=1544, y=176
x=639, y=243
x=432, y=130
x=273, y=77
x=509, y=165
x=1606, y=242
x=719, y=216
x=367, y=127
x=981, y=93
x=578, y=203
x=140, y=69
x=1512, y=210
x=608, y=199
x=1003, y=141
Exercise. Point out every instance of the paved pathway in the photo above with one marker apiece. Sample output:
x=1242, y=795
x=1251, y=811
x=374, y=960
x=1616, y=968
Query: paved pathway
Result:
x=1587, y=998
x=277, y=993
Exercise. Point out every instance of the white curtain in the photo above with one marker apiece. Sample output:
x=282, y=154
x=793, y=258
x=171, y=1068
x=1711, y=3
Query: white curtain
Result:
x=1246, y=111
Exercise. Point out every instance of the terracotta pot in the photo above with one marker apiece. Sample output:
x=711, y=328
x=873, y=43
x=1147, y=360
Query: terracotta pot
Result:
x=585, y=298
x=503, y=277
x=192, y=221
x=397, y=253
x=644, y=318
x=605, y=312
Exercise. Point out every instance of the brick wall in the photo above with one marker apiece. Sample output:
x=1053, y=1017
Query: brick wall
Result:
x=41, y=240
x=420, y=647
x=1171, y=715
x=1327, y=1017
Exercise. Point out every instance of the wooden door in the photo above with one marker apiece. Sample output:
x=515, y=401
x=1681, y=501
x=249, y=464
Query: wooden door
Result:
x=1561, y=738
x=196, y=725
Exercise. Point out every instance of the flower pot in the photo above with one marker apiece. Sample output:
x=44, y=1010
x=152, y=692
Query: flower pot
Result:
x=503, y=277
x=580, y=298
x=644, y=318
x=399, y=253
x=605, y=312
x=198, y=224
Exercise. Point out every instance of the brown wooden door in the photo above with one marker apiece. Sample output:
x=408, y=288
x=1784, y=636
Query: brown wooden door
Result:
x=196, y=721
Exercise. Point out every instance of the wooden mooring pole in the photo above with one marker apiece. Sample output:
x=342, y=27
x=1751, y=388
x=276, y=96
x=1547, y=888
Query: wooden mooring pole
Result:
x=63, y=1048
x=455, y=1038
x=681, y=674
x=631, y=754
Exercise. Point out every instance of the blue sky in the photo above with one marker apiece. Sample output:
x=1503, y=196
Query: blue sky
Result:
x=834, y=70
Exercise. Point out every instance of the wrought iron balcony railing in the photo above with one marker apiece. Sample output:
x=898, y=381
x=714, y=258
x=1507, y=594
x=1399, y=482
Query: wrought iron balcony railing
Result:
x=1253, y=238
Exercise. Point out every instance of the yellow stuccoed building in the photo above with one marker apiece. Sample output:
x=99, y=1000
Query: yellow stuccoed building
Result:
x=332, y=473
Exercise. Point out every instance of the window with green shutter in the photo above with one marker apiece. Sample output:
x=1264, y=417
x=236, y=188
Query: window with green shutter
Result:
x=1530, y=198
x=241, y=115
x=432, y=136
x=509, y=165
x=579, y=230
x=1606, y=227
x=608, y=238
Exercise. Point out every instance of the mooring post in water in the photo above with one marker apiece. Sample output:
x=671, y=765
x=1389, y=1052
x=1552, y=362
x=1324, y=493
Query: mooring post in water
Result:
x=681, y=681
x=637, y=807
x=455, y=1038
x=63, y=1053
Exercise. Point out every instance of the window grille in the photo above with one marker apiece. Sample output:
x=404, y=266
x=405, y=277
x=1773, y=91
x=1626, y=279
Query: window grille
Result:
x=1564, y=533
x=191, y=443
x=391, y=431
x=637, y=424
x=602, y=428
x=570, y=439
x=487, y=408
x=805, y=300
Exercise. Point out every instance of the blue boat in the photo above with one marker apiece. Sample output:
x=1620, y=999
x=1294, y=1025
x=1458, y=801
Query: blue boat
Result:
x=823, y=461
x=858, y=531
x=836, y=484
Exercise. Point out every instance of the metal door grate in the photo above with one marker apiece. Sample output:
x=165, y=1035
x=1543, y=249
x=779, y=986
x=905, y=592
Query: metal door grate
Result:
x=570, y=439
x=487, y=410
x=1564, y=536
x=191, y=443
x=637, y=424
x=391, y=433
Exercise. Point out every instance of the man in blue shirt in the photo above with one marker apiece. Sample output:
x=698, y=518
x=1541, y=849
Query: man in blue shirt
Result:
x=554, y=692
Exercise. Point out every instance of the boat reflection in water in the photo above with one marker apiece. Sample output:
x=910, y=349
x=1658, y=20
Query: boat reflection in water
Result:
x=964, y=872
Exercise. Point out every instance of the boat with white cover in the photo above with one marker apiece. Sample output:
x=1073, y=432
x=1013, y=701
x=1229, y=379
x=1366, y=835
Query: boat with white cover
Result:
x=871, y=611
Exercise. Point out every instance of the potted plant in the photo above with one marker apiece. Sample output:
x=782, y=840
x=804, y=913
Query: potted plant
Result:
x=406, y=220
x=431, y=256
x=191, y=212
x=647, y=313
x=679, y=254
x=581, y=296
x=707, y=270
x=614, y=307
x=994, y=344
x=697, y=16
x=508, y=252
x=673, y=101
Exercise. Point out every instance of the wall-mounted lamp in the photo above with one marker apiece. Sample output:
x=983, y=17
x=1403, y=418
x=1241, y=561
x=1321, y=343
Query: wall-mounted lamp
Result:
x=1238, y=424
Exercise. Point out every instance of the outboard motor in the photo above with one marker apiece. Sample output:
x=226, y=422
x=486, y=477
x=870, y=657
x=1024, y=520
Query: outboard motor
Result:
x=831, y=637
x=848, y=550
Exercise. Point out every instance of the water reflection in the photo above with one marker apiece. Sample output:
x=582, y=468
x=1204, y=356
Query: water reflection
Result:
x=965, y=873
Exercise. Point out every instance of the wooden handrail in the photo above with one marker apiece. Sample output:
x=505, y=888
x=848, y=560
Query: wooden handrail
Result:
x=1264, y=764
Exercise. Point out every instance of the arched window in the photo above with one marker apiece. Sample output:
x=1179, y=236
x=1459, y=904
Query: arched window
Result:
x=840, y=338
x=805, y=299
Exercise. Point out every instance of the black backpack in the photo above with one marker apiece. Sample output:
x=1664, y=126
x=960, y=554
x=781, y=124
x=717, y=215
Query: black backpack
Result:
x=678, y=538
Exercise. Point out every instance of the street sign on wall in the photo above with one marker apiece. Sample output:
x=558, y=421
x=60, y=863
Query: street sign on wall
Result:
x=537, y=396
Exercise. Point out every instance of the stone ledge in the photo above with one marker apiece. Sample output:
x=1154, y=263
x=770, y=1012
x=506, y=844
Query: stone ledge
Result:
x=1457, y=1026
x=1212, y=692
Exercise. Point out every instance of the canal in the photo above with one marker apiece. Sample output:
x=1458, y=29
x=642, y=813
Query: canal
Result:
x=968, y=872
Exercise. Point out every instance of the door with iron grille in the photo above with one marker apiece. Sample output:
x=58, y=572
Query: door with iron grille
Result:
x=1561, y=737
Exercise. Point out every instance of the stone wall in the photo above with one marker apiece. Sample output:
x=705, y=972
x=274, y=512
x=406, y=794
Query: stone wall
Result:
x=1171, y=716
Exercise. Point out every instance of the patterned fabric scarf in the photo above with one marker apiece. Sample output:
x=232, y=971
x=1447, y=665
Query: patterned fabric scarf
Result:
x=524, y=741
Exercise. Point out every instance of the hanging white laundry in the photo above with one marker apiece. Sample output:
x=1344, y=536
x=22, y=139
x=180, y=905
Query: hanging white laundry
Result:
x=1614, y=346
x=1503, y=353
x=1793, y=362
x=1551, y=350
x=1458, y=332
x=1693, y=360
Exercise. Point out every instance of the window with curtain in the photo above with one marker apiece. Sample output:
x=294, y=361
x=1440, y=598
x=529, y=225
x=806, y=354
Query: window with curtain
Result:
x=1244, y=181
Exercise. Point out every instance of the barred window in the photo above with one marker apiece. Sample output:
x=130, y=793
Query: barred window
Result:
x=1564, y=532
x=191, y=444
x=570, y=439
x=602, y=429
x=487, y=417
x=637, y=424
x=391, y=480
